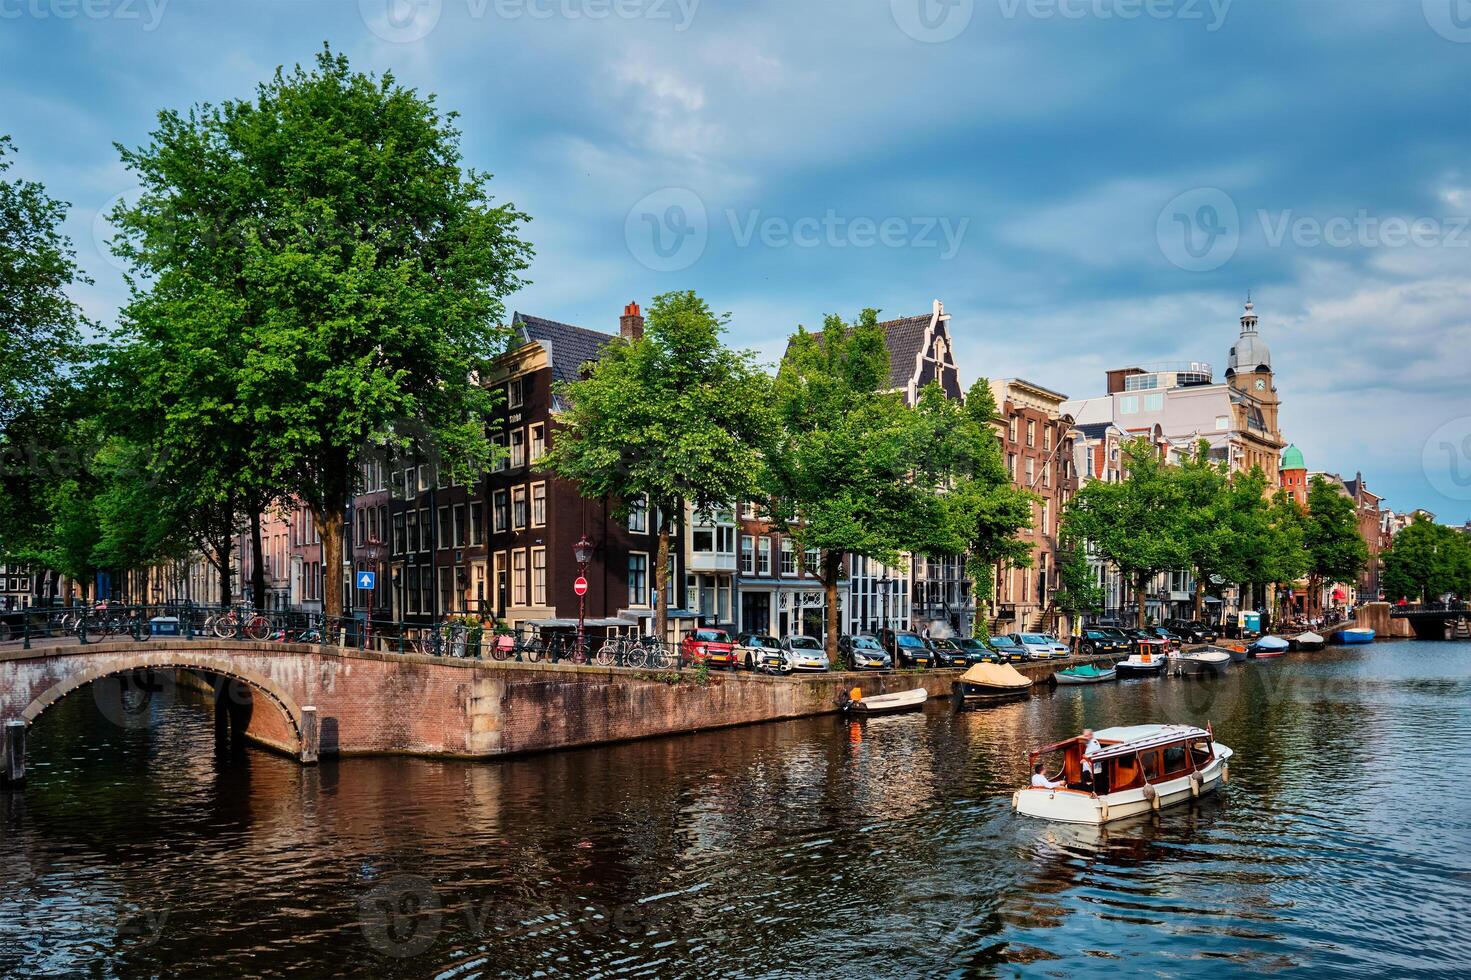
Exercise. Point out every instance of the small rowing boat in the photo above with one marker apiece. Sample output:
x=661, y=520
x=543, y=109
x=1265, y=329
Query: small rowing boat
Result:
x=1308, y=641
x=1142, y=663
x=855, y=703
x=1208, y=660
x=1359, y=634
x=1269, y=646
x=1084, y=674
x=992, y=683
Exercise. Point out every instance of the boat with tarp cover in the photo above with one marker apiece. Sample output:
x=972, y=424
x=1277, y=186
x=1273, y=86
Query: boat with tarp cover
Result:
x=991, y=684
x=1137, y=769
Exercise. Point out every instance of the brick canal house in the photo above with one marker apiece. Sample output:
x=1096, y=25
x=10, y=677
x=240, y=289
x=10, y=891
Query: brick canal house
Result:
x=1037, y=438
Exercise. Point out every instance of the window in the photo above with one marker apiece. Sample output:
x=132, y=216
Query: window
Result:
x=501, y=455
x=748, y=554
x=788, y=563
x=1030, y=470
x=638, y=515
x=426, y=587
x=1031, y=432
x=447, y=597
x=426, y=531
x=446, y=529
x=516, y=393
x=538, y=505
x=1222, y=423
x=1011, y=429
x=499, y=583
x=412, y=541
x=501, y=520
x=459, y=525
x=638, y=579
x=810, y=561
x=441, y=474
x=518, y=448
x=538, y=576
x=538, y=441
x=1154, y=403
x=361, y=520
x=519, y=583
x=477, y=524
x=763, y=556
x=423, y=477
x=702, y=540
x=1046, y=518
x=1174, y=759
x=1129, y=405
x=1011, y=466
x=400, y=540
x=1047, y=437
x=518, y=508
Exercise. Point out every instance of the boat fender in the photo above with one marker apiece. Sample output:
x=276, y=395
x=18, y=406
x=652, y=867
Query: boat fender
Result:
x=1152, y=795
x=1225, y=775
x=1195, y=784
x=1103, y=811
x=1016, y=800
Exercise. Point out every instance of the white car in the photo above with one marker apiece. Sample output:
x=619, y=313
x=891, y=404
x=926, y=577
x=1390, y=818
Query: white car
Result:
x=1040, y=646
x=804, y=653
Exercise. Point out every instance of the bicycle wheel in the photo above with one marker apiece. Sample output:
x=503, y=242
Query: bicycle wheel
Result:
x=258, y=628
x=533, y=650
x=607, y=654
x=224, y=627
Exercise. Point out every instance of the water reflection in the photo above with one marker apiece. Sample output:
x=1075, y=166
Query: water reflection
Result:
x=884, y=846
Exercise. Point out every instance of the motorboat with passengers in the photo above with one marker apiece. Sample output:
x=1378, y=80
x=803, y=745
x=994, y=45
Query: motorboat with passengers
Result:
x=1133, y=770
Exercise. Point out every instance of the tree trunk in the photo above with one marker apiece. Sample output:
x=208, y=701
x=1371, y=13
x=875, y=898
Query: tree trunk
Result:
x=222, y=565
x=1199, y=598
x=330, y=525
x=832, y=564
x=661, y=578
x=257, y=563
x=1141, y=593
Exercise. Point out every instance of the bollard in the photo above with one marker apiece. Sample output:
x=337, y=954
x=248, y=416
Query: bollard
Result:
x=13, y=766
x=27, y=625
x=311, y=738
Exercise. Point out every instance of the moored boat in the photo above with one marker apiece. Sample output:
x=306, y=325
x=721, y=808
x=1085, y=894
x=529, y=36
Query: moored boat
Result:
x=1358, y=634
x=1269, y=646
x=1308, y=641
x=1208, y=660
x=1142, y=663
x=986, y=683
x=856, y=703
x=1136, y=769
x=1084, y=674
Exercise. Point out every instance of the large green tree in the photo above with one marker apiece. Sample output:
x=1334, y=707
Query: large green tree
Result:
x=1335, y=550
x=1206, y=521
x=1426, y=561
x=673, y=417
x=1078, y=593
x=853, y=470
x=1138, y=523
x=345, y=271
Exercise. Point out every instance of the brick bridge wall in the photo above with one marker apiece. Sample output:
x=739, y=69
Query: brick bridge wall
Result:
x=375, y=703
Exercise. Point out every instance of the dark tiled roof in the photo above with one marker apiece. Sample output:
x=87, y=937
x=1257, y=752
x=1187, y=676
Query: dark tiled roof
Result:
x=1094, y=430
x=904, y=338
x=568, y=347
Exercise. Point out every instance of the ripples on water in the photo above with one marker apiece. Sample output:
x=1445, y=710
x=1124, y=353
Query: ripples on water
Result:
x=814, y=847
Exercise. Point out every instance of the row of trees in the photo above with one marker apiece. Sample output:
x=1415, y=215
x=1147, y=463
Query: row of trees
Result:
x=1223, y=528
x=314, y=278
x=1427, y=561
x=832, y=456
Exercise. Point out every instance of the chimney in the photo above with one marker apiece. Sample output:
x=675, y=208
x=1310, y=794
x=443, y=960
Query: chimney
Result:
x=631, y=323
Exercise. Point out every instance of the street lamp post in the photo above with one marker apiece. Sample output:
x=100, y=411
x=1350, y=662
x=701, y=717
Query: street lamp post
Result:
x=582, y=552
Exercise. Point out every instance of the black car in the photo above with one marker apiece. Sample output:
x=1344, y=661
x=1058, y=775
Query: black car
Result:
x=1099, y=641
x=908, y=649
x=947, y=653
x=976, y=651
x=1008, y=650
x=1191, y=631
x=864, y=652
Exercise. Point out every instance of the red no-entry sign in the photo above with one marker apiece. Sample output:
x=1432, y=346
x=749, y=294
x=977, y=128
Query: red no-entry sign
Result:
x=580, y=586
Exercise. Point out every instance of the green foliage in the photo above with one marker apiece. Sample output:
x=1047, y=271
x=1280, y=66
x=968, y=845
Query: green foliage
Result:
x=1426, y=561
x=675, y=416
x=1079, y=592
x=1335, y=550
x=325, y=278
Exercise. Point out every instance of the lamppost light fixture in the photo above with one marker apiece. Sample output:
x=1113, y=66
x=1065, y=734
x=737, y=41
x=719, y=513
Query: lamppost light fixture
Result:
x=582, y=550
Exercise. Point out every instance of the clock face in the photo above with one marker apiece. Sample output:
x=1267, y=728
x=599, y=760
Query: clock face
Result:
x=1261, y=384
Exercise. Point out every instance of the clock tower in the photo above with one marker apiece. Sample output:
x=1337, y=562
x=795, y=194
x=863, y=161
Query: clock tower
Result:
x=1254, y=392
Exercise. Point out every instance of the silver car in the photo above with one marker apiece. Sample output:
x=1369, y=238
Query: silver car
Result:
x=804, y=653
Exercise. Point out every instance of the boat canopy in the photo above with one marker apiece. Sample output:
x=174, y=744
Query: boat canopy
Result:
x=996, y=675
x=1156, y=736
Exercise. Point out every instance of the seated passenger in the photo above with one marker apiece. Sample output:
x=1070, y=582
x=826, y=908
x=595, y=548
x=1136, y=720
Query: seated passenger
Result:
x=1040, y=781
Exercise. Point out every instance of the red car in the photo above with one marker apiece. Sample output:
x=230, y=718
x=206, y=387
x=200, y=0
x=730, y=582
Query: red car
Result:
x=712, y=647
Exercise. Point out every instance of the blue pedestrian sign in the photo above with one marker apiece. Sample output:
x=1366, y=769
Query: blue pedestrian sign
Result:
x=366, y=580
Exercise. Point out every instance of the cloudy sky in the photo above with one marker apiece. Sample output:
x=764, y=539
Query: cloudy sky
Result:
x=1084, y=183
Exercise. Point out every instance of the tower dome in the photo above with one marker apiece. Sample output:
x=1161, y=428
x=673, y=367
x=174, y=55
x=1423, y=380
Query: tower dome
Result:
x=1251, y=352
x=1292, y=459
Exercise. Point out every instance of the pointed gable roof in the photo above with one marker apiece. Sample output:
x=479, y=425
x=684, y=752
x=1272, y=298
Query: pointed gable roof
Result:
x=568, y=347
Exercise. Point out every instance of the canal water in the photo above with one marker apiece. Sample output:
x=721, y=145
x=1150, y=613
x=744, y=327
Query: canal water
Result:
x=808, y=848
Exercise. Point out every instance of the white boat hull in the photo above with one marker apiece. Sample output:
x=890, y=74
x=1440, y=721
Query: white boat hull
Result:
x=1079, y=806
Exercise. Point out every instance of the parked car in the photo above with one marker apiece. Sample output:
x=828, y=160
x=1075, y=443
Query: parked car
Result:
x=804, y=653
x=864, y=652
x=1100, y=641
x=708, y=646
x=759, y=651
x=908, y=649
x=1191, y=631
x=1040, y=646
x=1008, y=650
x=947, y=653
x=1168, y=635
x=976, y=651
x=1148, y=641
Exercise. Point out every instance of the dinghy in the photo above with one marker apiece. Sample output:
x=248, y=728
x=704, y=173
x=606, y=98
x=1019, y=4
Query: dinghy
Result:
x=1142, y=663
x=1308, y=641
x=855, y=703
x=1269, y=646
x=992, y=683
x=1084, y=674
x=1359, y=634
x=1206, y=661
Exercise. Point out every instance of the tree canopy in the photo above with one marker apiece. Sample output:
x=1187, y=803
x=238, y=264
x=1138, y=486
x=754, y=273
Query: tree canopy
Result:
x=1427, y=561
